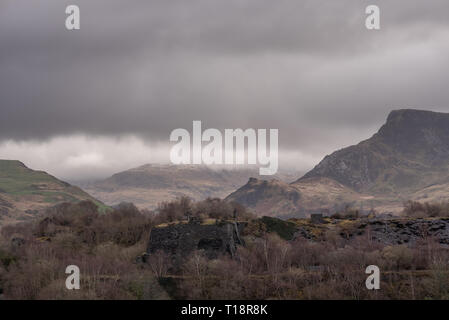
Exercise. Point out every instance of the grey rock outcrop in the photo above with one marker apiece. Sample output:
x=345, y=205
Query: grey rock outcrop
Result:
x=182, y=239
x=409, y=152
x=398, y=231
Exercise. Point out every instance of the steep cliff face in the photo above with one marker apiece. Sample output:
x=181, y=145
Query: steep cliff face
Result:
x=409, y=152
x=180, y=240
x=405, y=231
x=417, y=134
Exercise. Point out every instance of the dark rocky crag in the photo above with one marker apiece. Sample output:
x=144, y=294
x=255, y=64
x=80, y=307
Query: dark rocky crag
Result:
x=409, y=152
x=388, y=231
x=393, y=232
x=180, y=240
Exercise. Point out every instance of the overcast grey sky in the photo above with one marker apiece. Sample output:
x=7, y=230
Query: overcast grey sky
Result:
x=105, y=98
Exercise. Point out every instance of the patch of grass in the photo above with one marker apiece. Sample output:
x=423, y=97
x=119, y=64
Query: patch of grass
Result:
x=18, y=181
x=16, y=178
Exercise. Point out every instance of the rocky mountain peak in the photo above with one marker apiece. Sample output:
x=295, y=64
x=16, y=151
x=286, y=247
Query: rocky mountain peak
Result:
x=409, y=151
x=416, y=131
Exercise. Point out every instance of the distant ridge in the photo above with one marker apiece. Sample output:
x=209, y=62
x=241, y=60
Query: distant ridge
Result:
x=151, y=184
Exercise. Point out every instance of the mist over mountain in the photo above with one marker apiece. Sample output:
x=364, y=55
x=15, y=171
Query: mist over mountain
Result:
x=407, y=159
x=151, y=184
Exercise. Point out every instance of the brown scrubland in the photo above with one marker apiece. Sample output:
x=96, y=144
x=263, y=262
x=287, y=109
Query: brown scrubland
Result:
x=272, y=265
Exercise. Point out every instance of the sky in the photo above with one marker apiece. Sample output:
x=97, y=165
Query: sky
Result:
x=88, y=103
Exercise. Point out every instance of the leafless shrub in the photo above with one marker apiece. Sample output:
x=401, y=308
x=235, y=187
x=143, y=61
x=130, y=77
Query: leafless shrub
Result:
x=160, y=263
x=421, y=210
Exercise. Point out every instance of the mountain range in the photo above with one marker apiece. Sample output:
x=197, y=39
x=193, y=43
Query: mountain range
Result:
x=407, y=159
x=151, y=184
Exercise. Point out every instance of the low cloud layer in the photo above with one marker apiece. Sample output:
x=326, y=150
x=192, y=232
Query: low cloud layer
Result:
x=139, y=69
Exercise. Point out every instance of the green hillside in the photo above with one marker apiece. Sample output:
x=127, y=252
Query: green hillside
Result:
x=25, y=192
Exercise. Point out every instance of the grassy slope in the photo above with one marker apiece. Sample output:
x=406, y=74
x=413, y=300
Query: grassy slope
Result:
x=26, y=189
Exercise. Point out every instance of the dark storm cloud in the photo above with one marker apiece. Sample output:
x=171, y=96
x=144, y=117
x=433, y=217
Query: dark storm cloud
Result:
x=309, y=68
